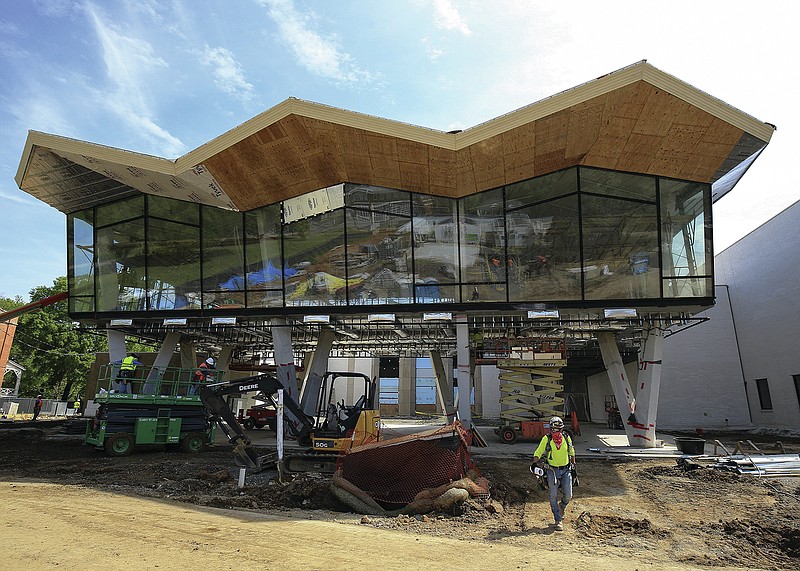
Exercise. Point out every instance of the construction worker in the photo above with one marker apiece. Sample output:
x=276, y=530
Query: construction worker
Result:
x=557, y=449
x=202, y=375
x=127, y=369
x=37, y=406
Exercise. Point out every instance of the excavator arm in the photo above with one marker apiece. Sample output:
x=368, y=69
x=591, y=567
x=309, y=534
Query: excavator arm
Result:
x=213, y=399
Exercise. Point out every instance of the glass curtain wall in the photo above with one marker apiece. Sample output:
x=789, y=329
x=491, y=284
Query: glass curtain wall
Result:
x=80, y=261
x=686, y=239
x=542, y=221
x=482, y=247
x=378, y=254
x=577, y=234
x=435, y=249
x=263, y=258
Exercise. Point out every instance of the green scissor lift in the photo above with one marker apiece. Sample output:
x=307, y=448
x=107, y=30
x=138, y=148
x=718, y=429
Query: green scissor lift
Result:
x=164, y=408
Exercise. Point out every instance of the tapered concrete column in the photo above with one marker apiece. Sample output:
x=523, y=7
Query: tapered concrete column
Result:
x=316, y=371
x=464, y=377
x=407, y=387
x=444, y=387
x=224, y=359
x=161, y=362
x=619, y=382
x=638, y=410
x=116, y=352
x=284, y=359
x=649, y=384
x=188, y=352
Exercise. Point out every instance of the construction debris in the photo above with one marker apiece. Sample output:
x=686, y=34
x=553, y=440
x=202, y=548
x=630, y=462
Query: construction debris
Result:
x=762, y=465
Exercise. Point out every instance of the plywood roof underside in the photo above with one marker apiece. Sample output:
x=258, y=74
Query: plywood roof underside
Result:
x=637, y=119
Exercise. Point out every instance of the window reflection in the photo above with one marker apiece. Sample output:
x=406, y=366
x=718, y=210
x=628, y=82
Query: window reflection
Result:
x=482, y=244
x=435, y=248
x=686, y=240
x=544, y=245
x=265, y=268
x=521, y=243
x=314, y=249
x=121, y=279
x=223, y=258
x=173, y=265
x=378, y=257
x=620, y=249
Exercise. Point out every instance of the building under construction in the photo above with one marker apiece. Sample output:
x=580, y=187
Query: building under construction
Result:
x=572, y=235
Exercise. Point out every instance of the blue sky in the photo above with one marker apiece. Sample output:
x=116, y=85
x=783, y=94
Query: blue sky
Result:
x=165, y=76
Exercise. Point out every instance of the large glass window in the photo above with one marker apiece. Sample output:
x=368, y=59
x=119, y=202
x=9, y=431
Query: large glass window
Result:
x=265, y=267
x=544, y=251
x=580, y=233
x=619, y=184
x=173, y=265
x=686, y=238
x=314, y=249
x=223, y=258
x=541, y=188
x=620, y=249
x=435, y=239
x=80, y=259
x=121, y=269
x=119, y=211
x=378, y=257
x=482, y=247
x=175, y=210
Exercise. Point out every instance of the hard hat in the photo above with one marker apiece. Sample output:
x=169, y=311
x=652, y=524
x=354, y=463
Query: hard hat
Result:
x=556, y=422
x=211, y=361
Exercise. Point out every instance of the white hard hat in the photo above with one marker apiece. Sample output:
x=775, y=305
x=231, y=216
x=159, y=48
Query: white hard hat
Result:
x=556, y=422
x=211, y=361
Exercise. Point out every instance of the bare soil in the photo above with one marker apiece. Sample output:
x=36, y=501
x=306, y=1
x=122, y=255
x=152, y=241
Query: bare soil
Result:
x=66, y=503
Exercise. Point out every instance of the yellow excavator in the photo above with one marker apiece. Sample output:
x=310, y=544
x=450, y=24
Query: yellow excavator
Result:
x=334, y=428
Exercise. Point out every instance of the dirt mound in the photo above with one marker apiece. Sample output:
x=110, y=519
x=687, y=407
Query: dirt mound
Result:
x=605, y=526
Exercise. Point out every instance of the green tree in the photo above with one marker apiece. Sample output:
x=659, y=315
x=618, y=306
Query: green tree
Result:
x=56, y=354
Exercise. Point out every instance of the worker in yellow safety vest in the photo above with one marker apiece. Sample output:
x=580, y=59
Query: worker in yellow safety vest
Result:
x=557, y=449
x=127, y=368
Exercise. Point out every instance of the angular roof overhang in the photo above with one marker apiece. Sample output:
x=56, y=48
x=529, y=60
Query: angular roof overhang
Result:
x=637, y=119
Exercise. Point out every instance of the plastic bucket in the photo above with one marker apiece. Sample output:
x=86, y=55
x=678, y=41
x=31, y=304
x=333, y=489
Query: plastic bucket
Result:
x=689, y=445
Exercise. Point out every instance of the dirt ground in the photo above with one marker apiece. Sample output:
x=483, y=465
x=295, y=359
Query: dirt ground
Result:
x=65, y=503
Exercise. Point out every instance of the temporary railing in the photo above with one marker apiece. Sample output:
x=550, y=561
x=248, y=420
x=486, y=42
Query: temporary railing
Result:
x=160, y=382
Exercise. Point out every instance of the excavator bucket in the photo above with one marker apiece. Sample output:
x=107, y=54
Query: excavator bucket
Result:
x=245, y=457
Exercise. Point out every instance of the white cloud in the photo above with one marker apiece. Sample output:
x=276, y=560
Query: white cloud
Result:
x=433, y=52
x=228, y=74
x=128, y=61
x=320, y=55
x=447, y=17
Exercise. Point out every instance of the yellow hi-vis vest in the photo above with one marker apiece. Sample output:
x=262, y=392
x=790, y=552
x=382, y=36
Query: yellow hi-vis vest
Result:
x=557, y=457
x=127, y=364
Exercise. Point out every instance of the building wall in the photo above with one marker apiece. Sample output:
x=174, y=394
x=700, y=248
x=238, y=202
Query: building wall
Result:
x=761, y=272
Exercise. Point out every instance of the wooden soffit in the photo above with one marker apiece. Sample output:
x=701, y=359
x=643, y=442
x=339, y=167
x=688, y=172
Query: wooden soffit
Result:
x=638, y=119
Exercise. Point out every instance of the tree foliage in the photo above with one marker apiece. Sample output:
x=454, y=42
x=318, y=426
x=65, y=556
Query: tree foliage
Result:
x=56, y=354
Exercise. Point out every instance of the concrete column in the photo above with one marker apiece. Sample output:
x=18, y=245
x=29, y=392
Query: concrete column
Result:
x=444, y=387
x=648, y=386
x=284, y=359
x=224, y=359
x=620, y=384
x=407, y=387
x=188, y=353
x=161, y=362
x=316, y=370
x=464, y=377
x=116, y=352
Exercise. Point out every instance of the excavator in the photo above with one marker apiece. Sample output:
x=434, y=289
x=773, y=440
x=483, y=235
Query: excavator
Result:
x=334, y=428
